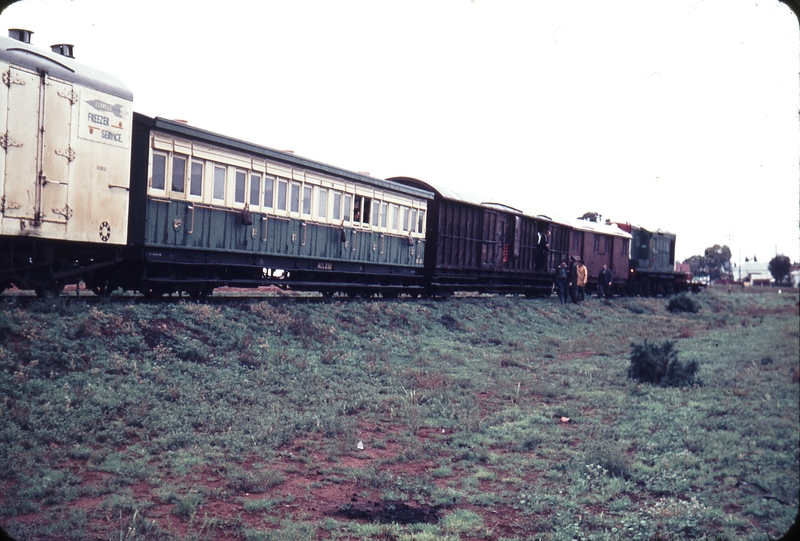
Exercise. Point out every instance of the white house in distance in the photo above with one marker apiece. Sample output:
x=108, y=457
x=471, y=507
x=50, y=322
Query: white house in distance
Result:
x=753, y=273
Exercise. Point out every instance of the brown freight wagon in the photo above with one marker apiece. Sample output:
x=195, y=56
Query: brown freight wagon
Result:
x=599, y=244
x=474, y=244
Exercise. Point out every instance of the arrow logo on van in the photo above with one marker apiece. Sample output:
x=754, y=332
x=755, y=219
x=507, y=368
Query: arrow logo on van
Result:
x=100, y=105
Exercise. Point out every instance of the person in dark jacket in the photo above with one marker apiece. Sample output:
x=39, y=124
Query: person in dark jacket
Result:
x=542, y=249
x=604, y=280
x=562, y=282
x=573, y=280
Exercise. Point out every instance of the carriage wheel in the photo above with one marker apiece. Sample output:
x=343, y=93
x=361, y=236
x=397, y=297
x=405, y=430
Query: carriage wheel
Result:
x=101, y=290
x=53, y=289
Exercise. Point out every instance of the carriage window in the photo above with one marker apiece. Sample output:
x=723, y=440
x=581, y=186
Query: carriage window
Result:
x=599, y=244
x=282, y=189
x=376, y=205
x=394, y=218
x=178, y=174
x=337, y=206
x=413, y=219
x=241, y=180
x=307, y=200
x=322, y=203
x=269, y=188
x=294, y=203
x=365, y=204
x=405, y=219
x=348, y=201
x=421, y=221
x=219, y=182
x=255, y=188
x=196, y=179
x=384, y=214
x=159, y=179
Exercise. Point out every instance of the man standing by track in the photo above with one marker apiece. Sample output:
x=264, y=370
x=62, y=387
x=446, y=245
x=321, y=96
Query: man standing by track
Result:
x=582, y=277
x=573, y=280
x=562, y=282
x=604, y=283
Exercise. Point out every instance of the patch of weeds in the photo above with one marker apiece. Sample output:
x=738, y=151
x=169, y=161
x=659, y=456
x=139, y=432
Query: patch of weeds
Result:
x=289, y=530
x=462, y=522
x=187, y=506
x=635, y=308
x=683, y=303
x=254, y=482
x=531, y=441
x=617, y=505
x=605, y=457
x=264, y=504
x=482, y=474
x=447, y=496
x=485, y=499
x=659, y=365
x=442, y=471
x=167, y=495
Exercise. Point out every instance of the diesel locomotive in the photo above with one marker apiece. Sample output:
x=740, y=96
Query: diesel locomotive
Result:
x=92, y=191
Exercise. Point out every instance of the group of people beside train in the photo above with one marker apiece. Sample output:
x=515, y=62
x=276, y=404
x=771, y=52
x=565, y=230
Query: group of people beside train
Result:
x=571, y=281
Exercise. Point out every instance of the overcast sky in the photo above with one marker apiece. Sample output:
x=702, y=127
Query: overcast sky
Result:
x=673, y=114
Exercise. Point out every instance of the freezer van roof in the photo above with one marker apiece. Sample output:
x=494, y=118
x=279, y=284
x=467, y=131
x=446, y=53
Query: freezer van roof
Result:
x=25, y=55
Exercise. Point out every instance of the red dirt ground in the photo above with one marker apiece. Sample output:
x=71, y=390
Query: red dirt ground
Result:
x=311, y=495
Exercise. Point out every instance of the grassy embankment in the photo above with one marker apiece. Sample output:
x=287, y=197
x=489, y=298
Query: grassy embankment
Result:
x=192, y=421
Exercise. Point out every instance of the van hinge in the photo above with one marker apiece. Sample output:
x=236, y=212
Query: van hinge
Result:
x=6, y=141
x=71, y=96
x=9, y=79
x=66, y=212
x=69, y=154
x=4, y=206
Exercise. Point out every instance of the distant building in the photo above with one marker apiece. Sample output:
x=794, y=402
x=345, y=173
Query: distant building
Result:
x=682, y=267
x=758, y=279
x=753, y=273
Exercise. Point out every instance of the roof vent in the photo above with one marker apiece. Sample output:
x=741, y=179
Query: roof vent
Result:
x=20, y=35
x=64, y=49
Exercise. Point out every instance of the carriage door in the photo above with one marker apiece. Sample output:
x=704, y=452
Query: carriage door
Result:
x=490, y=250
x=495, y=245
x=515, y=238
x=37, y=159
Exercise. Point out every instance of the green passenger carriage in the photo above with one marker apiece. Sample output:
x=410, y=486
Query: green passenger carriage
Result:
x=209, y=210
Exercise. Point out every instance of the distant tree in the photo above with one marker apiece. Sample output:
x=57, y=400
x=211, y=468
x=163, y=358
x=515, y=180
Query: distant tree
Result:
x=780, y=266
x=714, y=263
x=698, y=265
x=591, y=217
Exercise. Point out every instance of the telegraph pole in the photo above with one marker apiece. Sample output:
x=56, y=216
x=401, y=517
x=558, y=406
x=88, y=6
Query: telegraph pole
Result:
x=740, y=254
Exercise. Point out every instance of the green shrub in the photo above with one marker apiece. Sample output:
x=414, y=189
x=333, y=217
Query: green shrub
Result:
x=659, y=365
x=683, y=303
x=187, y=507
